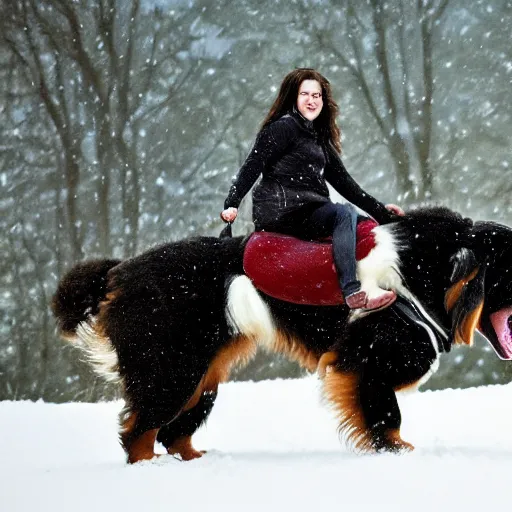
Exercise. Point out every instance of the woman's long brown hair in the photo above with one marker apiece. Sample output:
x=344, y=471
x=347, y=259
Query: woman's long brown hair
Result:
x=325, y=123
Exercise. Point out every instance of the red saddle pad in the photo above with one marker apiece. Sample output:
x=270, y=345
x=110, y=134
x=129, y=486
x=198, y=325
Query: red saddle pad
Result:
x=297, y=271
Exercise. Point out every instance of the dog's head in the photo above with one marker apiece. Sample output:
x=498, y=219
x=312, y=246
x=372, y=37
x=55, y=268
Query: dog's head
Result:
x=481, y=293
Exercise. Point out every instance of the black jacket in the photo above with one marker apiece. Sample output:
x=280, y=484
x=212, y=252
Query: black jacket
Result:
x=294, y=166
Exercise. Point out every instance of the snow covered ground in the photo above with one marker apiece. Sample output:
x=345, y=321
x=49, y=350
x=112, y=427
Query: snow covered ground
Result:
x=272, y=447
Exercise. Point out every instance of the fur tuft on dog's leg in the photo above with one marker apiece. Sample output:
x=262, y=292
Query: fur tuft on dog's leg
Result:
x=341, y=390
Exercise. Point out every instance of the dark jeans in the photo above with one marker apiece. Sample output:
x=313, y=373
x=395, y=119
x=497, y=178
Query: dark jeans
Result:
x=339, y=221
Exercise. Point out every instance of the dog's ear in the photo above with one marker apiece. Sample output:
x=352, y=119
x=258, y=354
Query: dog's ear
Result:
x=465, y=298
x=464, y=262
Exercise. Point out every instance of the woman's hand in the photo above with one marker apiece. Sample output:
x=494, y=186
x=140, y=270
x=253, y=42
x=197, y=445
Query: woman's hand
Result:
x=393, y=208
x=229, y=214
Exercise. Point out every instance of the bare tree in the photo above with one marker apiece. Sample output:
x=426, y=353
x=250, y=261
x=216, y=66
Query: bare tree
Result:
x=389, y=51
x=94, y=67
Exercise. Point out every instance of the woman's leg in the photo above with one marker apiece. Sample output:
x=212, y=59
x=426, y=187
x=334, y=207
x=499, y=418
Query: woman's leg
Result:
x=344, y=247
x=340, y=221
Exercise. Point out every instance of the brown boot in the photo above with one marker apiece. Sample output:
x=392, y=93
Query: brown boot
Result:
x=356, y=300
x=383, y=300
x=360, y=300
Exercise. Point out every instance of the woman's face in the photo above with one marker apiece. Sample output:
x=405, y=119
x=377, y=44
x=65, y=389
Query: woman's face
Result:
x=309, y=99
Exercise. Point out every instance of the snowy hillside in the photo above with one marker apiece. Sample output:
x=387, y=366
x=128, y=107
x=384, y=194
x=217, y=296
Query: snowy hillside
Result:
x=272, y=447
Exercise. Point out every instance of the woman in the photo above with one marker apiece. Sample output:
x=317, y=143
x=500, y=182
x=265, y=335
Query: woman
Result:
x=296, y=152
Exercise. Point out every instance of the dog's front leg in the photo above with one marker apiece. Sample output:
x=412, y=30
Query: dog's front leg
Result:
x=367, y=409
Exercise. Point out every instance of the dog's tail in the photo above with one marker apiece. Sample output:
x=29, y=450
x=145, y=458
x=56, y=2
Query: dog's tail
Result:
x=79, y=294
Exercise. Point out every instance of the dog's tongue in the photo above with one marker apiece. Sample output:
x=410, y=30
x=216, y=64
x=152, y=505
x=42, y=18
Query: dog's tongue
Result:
x=500, y=324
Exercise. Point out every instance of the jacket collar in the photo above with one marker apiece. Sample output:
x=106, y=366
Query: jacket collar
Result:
x=305, y=123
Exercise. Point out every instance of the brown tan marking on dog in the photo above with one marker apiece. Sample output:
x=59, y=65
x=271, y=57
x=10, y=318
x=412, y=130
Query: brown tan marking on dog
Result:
x=341, y=390
x=295, y=350
x=143, y=447
x=465, y=331
x=325, y=361
x=140, y=448
x=183, y=447
x=395, y=440
x=100, y=325
x=235, y=354
x=454, y=292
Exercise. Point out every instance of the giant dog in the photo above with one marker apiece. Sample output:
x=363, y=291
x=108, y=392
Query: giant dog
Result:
x=171, y=323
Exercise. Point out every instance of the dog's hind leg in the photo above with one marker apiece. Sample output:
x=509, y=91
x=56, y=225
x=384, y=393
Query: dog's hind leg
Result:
x=138, y=434
x=151, y=403
x=177, y=435
x=140, y=426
